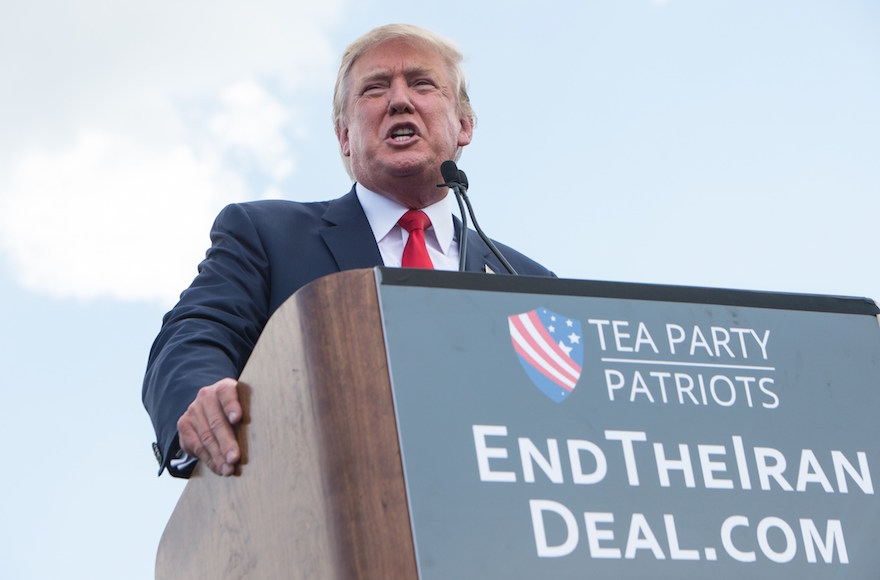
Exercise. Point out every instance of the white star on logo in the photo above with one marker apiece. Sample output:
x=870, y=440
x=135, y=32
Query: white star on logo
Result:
x=575, y=339
x=565, y=349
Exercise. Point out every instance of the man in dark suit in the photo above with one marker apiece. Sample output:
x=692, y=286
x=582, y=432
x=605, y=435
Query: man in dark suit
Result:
x=400, y=110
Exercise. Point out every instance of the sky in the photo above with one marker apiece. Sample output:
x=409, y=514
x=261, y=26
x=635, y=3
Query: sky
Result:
x=687, y=142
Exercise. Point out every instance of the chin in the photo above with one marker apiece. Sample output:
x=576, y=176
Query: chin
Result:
x=411, y=167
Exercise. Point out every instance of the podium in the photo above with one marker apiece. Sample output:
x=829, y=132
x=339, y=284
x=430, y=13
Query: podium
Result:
x=414, y=424
x=320, y=492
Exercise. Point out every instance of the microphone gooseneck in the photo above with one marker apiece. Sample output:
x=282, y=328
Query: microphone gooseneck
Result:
x=452, y=180
x=458, y=182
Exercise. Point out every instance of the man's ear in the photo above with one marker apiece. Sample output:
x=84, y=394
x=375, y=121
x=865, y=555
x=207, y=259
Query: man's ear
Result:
x=342, y=137
x=466, y=133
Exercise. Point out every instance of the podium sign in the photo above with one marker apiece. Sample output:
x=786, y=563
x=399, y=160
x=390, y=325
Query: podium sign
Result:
x=569, y=429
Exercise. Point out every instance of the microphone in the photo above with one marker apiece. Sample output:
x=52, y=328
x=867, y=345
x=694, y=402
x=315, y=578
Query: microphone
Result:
x=457, y=181
x=452, y=176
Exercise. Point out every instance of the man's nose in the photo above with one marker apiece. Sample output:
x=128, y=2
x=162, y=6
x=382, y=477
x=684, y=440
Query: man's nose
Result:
x=399, y=97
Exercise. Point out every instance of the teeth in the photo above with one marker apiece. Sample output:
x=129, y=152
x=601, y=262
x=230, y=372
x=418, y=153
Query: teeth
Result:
x=402, y=134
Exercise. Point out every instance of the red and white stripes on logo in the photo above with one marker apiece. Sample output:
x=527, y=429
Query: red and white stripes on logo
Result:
x=532, y=342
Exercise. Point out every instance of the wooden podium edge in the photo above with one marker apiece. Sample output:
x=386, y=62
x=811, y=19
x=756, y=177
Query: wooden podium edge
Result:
x=320, y=493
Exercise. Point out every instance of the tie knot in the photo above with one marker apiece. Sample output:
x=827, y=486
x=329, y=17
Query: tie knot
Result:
x=414, y=219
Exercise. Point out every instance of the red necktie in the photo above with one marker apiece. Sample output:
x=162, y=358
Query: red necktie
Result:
x=415, y=254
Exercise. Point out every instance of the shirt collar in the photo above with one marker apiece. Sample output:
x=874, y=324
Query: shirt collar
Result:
x=383, y=213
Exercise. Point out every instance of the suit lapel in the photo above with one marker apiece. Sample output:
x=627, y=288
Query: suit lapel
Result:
x=348, y=235
x=351, y=241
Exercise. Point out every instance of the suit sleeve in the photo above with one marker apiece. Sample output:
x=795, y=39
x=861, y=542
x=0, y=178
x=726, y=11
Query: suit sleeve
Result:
x=211, y=331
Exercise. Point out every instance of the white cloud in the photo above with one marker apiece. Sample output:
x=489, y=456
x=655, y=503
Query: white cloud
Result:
x=251, y=122
x=128, y=129
x=109, y=217
x=110, y=61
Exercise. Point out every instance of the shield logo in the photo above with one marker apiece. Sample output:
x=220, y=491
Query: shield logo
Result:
x=549, y=348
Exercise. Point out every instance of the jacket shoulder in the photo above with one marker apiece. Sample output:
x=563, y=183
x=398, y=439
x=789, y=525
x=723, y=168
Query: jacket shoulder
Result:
x=273, y=209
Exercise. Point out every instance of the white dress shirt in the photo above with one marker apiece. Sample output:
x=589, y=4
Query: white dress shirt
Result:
x=383, y=213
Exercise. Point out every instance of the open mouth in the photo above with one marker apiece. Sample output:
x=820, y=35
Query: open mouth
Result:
x=401, y=134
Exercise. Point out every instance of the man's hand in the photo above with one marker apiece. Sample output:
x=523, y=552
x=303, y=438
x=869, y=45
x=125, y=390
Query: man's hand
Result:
x=205, y=429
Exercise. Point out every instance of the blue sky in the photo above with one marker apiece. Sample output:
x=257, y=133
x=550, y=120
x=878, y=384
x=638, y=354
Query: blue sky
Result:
x=709, y=143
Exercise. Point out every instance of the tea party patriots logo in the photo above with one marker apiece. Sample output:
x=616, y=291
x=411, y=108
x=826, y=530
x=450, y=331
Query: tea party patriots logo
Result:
x=549, y=348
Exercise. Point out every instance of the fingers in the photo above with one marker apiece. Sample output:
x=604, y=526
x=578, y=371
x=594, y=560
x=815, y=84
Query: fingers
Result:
x=222, y=412
x=227, y=394
x=205, y=429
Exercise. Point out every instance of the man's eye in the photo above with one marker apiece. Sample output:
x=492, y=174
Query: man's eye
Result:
x=372, y=89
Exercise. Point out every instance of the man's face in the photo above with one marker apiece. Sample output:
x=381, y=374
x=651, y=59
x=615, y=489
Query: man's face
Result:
x=401, y=121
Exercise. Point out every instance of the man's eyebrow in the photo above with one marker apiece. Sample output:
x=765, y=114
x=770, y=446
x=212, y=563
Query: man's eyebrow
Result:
x=375, y=75
x=384, y=73
x=417, y=70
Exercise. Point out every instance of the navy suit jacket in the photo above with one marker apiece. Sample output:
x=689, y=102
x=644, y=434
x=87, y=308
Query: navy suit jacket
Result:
x=261, y=253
